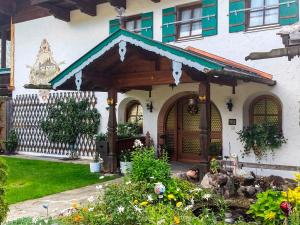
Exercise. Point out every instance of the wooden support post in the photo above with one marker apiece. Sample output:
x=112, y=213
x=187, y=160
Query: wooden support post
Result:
x=112, y=130
x=205, y=119
x=3, y=47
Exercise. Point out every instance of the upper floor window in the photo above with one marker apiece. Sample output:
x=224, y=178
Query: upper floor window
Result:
x=266, y=109
x=134, y=24
x=263, y=12
x=190, y=19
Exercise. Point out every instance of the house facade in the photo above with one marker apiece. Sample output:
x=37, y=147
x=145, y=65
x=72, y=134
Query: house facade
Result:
x=216, y=34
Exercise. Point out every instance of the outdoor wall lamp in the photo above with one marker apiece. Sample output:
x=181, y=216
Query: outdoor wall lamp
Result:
x=150, y=106
x=229, y=105
x=110, y=101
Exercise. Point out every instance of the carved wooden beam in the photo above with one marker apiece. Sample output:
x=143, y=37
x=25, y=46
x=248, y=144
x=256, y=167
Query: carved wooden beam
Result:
x=118, y=3
x=290, y=52
x=86, y=7
x=57, y=12
x=155, y=1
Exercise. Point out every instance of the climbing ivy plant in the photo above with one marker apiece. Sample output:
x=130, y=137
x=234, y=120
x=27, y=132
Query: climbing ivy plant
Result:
x=66, y=120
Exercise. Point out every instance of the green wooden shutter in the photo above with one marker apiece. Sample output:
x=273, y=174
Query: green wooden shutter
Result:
x=210, y=24
x=169, y=30
x=114, y=25
x=237, y=20
x=288, y=13
x=147, y=24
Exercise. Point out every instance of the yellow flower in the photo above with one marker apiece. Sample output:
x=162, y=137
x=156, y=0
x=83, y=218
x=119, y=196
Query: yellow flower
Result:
x=144, y=203
x=85, y=209
x=178, y=204
x=270, y=216
x=78, y=218
x=176, y=220
x=74, y=205
x=171, y=197
x=135, y=202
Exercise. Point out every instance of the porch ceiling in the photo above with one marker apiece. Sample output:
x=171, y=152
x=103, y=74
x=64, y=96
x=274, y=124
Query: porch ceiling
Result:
x=127, y=61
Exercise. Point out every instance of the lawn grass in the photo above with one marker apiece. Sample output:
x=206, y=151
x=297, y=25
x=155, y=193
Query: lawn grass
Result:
x=31, y=179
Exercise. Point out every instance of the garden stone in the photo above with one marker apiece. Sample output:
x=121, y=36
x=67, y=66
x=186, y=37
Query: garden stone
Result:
x=250, y=191
x=241, y=191
x=248, y=180
x=222, y=179
x=275, y=181
x=206, y=181
x=229, y=189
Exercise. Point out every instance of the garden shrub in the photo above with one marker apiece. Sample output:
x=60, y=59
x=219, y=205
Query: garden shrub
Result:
x=267, y=208
x=31, y=221
x=11, y=143
x=128, y=130
x=134, y=201
x=145, y=166
x=3, y=204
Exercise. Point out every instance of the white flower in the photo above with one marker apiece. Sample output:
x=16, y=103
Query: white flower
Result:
x=137, y=209
x=162, y=221
x=206, y=196
x=189, y=207
x=91, y=209
x=34, y=220
x=102, y=177
x=121, y=209
x=151, y=177
x=257, y=186
x=137, y=144
x=99, y=187
x=192, y=201
x=198, y=189
x=128, y=182
x=91, y=199
x=149, y=198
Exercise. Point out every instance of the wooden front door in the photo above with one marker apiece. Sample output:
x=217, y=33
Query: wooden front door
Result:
x=182, y=131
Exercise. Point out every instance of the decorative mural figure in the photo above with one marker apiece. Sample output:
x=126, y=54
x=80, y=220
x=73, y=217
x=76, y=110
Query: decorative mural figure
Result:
x=44, y=69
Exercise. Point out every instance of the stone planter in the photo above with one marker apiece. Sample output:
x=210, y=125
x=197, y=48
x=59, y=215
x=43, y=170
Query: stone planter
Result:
x=102, y=147
x=125, y=167
x=95, y=167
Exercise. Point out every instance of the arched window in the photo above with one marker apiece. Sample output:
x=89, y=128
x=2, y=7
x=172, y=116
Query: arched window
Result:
x=134, y=113
x=266, y=109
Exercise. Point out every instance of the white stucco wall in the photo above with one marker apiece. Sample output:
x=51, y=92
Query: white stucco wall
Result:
x=71, y=40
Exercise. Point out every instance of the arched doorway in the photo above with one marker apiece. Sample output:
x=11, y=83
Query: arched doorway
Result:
x=181, y=130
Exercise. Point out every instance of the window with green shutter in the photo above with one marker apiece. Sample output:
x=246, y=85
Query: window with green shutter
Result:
x=210, y=17
x=140, y=24
x=288, y=12
x=114, y=25
x=147, y=24
x=237, y=17
x=168, y=26
x=199, y=19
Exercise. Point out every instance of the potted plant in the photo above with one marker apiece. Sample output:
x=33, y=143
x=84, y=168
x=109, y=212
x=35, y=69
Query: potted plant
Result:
x=215, y=150
x=261, y=139
x=95, y=166
x=125, y=161
x=11, y=143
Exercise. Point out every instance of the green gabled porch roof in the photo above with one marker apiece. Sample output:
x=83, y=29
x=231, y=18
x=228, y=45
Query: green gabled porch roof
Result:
x=184, y=56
